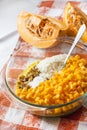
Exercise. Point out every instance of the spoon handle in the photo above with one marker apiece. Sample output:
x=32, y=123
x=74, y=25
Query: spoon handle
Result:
x=78, y=36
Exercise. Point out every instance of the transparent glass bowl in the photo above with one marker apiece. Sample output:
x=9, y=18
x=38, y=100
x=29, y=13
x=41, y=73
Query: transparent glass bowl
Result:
x=24, y=55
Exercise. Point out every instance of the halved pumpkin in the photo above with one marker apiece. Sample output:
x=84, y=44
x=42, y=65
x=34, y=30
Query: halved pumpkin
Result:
x=74, y=18
x=39, y=31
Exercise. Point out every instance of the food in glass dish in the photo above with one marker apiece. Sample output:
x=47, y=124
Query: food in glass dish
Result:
x=31, y=56
x=42, y=83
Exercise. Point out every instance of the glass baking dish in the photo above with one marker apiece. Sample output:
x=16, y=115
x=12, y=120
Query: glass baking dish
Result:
x=22, y=57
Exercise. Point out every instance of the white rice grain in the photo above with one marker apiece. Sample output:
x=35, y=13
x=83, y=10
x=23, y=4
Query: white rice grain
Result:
x=48, y=67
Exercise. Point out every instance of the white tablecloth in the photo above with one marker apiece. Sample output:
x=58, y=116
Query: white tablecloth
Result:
x=9, y=9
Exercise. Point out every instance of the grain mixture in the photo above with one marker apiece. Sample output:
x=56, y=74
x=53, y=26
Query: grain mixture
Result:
x=61, y=87
x=47, y=68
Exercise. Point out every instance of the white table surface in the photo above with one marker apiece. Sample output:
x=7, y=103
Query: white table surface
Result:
x=9, y=9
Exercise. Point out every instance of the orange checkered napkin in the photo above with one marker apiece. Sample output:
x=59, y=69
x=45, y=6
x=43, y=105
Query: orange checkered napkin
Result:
x=14, y=118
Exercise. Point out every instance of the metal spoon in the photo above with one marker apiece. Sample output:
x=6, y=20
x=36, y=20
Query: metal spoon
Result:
x=77, y=38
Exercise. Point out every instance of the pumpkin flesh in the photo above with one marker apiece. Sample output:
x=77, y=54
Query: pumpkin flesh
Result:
x=74, y=18
x=39, y=31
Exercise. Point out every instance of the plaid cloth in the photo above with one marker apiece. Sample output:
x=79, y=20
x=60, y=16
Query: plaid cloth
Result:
x=13, y=118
